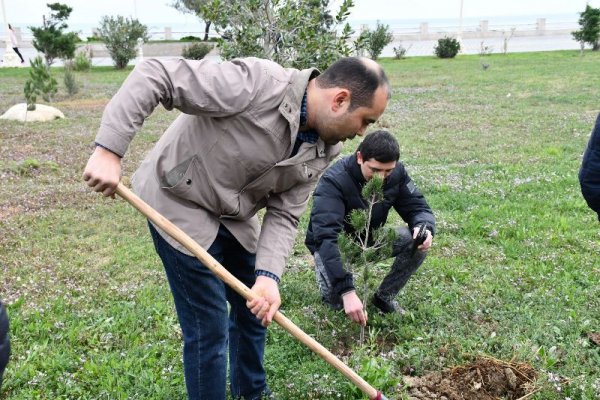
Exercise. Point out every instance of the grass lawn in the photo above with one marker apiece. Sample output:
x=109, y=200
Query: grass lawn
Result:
x=513, y=276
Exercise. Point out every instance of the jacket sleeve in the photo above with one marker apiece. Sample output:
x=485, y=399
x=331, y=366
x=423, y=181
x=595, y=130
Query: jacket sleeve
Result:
x=279, y=228
x=194, y=87
x=589, y=174
x=411, y=205
x=4, y=342
x=327, y=222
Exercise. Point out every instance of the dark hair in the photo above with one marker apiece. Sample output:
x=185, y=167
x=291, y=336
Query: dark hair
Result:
x=380, y=145
x=9, y=27
x=354, y=74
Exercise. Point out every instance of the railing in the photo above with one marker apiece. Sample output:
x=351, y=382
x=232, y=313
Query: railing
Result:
x=422, y=31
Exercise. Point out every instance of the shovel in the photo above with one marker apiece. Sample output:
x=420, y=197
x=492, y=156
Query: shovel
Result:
x=212, y=264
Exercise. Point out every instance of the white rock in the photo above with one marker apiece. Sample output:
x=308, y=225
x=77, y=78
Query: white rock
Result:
x=41, y=113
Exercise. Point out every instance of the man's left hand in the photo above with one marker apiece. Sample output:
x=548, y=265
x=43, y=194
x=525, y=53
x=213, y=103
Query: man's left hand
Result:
x=267, y=302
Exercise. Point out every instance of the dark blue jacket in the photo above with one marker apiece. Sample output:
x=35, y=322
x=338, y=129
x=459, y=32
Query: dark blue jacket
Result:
x=4, y=344
x=338, y=193
x=589, y=175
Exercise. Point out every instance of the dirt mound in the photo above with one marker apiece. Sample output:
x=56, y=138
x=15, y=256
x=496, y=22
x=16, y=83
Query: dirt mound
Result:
x=485, y=379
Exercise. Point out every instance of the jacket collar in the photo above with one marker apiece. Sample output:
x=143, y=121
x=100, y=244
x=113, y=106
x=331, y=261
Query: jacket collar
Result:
x=290, y=106
x=292, y=101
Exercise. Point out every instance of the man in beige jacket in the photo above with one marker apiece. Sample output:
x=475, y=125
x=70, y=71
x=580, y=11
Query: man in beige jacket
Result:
x=251, y=135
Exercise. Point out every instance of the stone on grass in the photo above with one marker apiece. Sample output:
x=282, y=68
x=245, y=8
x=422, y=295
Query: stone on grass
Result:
x=40, y=114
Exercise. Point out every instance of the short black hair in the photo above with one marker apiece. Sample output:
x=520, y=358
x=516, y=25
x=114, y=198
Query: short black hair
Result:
x=358, y=77
x=380, y=145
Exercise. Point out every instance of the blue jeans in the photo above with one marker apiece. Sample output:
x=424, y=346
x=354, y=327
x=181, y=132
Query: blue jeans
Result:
x=201, y=302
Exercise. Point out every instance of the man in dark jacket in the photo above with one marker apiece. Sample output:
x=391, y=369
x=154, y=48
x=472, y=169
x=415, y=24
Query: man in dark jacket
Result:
x=589, y=175
x=4, y=343
x=337, y=194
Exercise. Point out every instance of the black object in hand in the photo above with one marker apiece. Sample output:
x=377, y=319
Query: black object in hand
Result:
x=421, y=236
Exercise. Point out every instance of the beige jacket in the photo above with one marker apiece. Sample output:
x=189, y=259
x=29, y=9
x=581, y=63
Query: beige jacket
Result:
x=227, y=155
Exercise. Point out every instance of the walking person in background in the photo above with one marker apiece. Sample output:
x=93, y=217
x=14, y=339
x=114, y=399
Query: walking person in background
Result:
x=14, y=44
x=4, y=343
x=589, y=174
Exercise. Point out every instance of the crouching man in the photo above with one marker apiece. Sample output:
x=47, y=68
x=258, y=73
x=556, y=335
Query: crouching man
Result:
x=337, y=194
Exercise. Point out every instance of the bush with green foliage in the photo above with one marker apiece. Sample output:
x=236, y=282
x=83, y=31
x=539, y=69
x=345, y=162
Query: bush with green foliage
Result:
x=400, y=51
x=81, y=62
x=40, y=82
x=361, y=43
x=297, y=34
x=70, y=81
x=190, y=39
x=447, y=48
x=50, y=39
x=377, y=372
x=589, y=21
x=121, y=38
x=196, y=51
x=377, y=39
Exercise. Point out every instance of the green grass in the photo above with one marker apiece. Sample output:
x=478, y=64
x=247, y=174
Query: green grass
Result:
x=514, y=272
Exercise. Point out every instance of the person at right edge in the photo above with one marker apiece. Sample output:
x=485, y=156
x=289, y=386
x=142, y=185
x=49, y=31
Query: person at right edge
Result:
x=589, y=174
x=4, y=343
x=337, y=194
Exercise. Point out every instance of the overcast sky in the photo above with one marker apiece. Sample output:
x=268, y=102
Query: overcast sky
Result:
x=159, y=11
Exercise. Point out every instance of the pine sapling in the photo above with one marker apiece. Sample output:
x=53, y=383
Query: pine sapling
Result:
x=366, y=245
x=40, y=82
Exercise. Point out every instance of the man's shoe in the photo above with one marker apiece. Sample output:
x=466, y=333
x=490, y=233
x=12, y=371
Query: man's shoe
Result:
x=385, y=306
x=265, y=395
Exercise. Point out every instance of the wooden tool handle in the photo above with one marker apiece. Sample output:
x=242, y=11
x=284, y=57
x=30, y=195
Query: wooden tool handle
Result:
x=212, y=264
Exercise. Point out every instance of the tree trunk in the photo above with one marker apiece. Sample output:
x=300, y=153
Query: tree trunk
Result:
x=206, y=29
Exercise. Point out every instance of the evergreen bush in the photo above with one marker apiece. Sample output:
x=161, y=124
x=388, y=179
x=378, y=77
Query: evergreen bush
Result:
x=81, y=62
x=70, y=81
x=447, y=48
x=196, y=51
x=190, y=39
x=378, y=39
x=121, y=38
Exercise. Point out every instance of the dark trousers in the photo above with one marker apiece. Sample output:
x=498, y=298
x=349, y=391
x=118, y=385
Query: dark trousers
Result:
x=209, y=330
x=16, y=49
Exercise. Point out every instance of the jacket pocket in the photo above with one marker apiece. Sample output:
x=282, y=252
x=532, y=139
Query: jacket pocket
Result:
x=191, y=181
x=290, y=176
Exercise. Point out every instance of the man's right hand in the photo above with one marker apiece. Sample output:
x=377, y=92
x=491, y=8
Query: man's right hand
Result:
x=354, y=308
x=103, y=171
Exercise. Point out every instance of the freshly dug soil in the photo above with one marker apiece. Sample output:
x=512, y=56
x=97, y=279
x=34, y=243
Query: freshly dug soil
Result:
x=485, y=379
